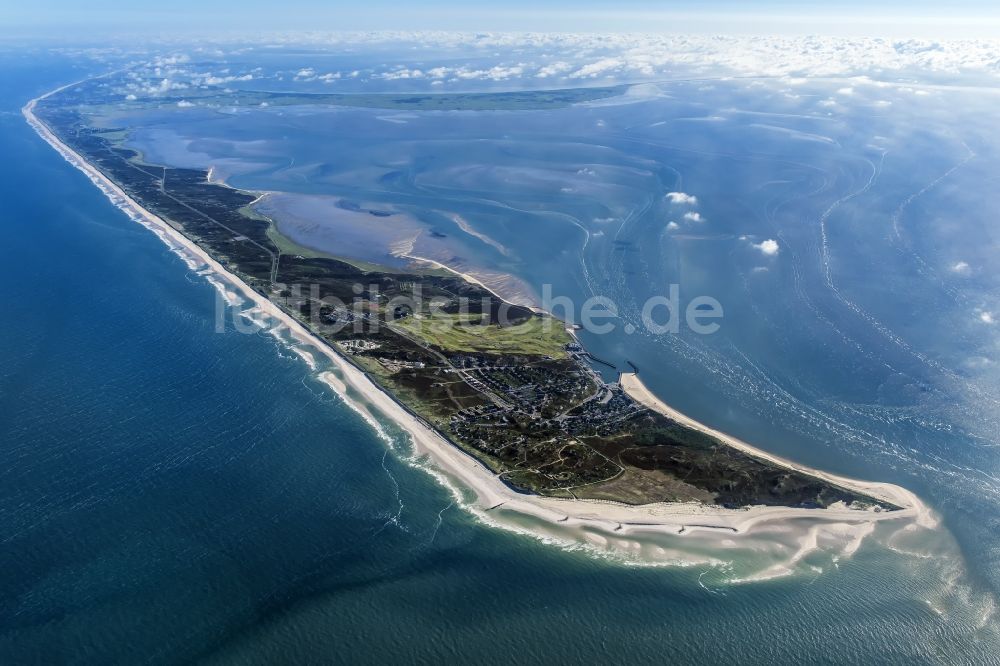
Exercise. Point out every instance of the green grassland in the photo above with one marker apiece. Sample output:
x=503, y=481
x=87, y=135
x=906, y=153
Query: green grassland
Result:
x=538, y=336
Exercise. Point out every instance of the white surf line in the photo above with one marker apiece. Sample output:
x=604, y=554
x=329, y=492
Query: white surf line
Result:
x=614, y=520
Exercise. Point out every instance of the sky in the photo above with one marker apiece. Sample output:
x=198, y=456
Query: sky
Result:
x=888, y=18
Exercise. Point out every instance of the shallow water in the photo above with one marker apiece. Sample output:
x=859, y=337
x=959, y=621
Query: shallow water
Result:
x=170, y=493
x=866, y=345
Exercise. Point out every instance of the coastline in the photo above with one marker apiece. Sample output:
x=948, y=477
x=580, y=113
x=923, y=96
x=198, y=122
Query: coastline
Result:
x=600, y=525
x=887, y=492
x=514, y=297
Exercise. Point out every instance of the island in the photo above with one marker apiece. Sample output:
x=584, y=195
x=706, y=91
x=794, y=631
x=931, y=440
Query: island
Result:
x=506, y=386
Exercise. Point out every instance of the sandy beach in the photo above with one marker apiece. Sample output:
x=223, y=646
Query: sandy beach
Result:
x=888, y=492
x=600, y=525
x=499, y=286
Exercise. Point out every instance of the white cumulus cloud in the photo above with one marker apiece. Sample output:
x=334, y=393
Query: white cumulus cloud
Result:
x=769, y=247
x=555, y=69
x=693, y=217
x=682, y=198
x=594, y=55
x=402, y=74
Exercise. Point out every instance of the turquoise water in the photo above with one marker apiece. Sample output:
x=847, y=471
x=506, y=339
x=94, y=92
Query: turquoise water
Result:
x=170, y=494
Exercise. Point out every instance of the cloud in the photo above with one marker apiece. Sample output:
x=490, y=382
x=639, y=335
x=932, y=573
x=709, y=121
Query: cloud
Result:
x=861, y=64
x=497, y=73
x=554, y=69
x=769, y=247
x=673, y=226
x=682, y=198
x=402, y=74
x=961, y=267
x=184, y=104
x=165, y=85
x=501, y=73
x=593, y=55
x=986, y=317
x=175, y=59
x=211, y=80
x=693, y=217
x=602, y=66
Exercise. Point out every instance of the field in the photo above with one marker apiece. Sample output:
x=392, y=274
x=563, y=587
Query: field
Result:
x=538, y=336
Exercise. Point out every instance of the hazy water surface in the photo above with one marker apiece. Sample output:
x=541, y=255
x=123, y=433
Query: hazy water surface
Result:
x=172, y=494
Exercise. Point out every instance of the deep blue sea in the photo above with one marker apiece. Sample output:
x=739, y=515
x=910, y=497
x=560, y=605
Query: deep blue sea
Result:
x=170, y=494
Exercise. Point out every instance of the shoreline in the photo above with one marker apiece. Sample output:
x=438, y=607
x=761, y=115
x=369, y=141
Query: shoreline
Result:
x=596, y=524
x=887, y=492
x=510, y=298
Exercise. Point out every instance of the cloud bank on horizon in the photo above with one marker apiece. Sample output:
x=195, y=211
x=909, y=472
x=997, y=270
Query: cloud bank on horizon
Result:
x=563, y=59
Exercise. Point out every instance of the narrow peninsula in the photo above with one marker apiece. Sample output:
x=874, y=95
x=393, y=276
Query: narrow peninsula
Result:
x=506, y=386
